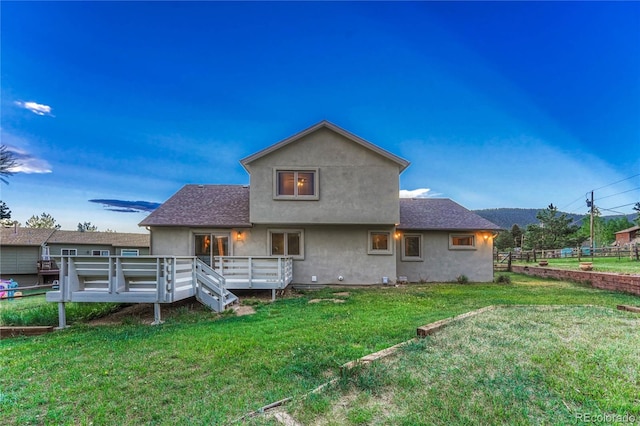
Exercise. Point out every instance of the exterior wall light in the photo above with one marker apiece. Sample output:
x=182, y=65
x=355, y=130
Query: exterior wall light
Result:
x=239, y=236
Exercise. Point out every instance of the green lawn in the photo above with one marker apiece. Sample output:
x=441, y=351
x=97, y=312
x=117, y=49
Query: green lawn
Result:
x=523, y=365
x=623, y=265
x=203, y=368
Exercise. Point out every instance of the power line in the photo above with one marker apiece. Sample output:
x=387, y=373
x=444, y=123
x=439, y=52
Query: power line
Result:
x=571, y=203
x=621, y=180
x=624, y=205
x=623, y=192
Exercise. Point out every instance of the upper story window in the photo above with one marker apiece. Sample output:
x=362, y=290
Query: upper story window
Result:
x=100, y=253
x=296, y=184
x=69, y=252
x=129, y=252
x=462, y=241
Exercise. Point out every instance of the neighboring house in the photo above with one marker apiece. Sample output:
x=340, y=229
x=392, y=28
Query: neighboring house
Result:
x=627, y=236
x=28, y=255
x=330, y=200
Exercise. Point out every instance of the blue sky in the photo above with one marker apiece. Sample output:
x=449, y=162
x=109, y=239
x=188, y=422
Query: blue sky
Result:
x=505, y=104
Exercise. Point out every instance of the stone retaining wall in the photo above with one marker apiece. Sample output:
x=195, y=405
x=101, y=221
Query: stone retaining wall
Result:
x=602, y=280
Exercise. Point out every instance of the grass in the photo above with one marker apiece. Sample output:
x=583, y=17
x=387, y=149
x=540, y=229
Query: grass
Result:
x=203, y=368
x=524, y=365
x=35, y=310
x=622, y=265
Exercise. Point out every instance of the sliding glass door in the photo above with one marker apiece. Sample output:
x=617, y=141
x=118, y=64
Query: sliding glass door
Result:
x=209, y=246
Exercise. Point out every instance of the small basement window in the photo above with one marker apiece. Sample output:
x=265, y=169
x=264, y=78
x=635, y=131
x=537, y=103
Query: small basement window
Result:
x=462, y=241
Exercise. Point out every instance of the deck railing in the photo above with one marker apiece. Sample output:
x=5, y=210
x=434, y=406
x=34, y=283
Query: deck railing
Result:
x=257, y=272
x=139, y=279
x=165, y=279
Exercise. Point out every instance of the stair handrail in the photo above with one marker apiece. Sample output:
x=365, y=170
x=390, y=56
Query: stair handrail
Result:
x=208, y=277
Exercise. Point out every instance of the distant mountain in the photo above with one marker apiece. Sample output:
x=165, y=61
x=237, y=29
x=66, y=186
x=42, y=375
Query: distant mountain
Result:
x=506, y=217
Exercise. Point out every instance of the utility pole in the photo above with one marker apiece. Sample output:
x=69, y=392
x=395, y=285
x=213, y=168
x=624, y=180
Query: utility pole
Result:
x=591, y=225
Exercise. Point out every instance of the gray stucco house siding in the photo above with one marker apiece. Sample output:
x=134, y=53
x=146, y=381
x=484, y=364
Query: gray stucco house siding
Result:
x=355, y=184
x=331, y=201
x=440, y=263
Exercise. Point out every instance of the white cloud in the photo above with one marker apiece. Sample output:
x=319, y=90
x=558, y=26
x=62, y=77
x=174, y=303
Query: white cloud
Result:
x=415, y=193
x=25, y=161
x=36, y=108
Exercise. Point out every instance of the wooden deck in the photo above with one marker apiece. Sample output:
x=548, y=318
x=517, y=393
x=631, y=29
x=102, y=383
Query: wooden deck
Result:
x=164, y=279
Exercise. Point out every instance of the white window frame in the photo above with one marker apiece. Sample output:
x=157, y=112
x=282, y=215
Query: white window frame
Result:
x=103, y=253
x=390, y=243
x=68, y=252
x=453, y=237
x=295, y=171
x=407, y=258
x=286, y=239
x=129, y=252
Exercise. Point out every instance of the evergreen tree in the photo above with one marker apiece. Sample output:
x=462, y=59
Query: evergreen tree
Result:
x=553, y=232
x=516, y=234
x=5, y=213
x=87, y=227
x=45, y=220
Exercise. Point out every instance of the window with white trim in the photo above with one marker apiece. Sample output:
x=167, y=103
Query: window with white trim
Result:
x=380, y=242
x=286, y=242
x=412, y=247
x=100, y=253
x=462, y=242
x=69, y=252
x=129, y=252
x=296, y=184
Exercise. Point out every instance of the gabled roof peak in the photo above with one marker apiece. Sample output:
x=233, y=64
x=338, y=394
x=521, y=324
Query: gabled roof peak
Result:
x=328, y=125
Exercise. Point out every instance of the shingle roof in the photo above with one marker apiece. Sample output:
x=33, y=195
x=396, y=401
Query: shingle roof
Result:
x=115, y=239
x=439, y=214
x=633, y=228
x=24, y=236
x=326, y=124
x=223, y=206
x=38, y=236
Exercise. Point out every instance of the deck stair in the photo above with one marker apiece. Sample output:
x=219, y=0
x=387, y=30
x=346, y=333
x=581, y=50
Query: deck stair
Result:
x=210, y=288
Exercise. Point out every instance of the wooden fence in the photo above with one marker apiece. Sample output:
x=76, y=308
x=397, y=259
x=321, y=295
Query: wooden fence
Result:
x=577, y=253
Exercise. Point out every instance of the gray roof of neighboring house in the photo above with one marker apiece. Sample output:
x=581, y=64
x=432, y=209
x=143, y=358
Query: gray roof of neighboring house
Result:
x=39, y=236
x=222, y=206
x=439, y=214
x=326, y=124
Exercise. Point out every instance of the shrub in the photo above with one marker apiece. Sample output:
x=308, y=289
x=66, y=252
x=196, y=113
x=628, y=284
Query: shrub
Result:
x=462, y=279
x=503, y=279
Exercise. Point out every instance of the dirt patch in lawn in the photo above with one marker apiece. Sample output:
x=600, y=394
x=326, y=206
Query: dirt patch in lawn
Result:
x=327, y=300
x=243, y=310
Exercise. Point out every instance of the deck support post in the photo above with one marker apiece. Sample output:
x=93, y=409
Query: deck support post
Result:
x=273, y=294
x=62, y=315
x=156, y=314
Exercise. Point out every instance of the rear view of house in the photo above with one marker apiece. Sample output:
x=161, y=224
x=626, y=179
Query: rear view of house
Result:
x=325, y=205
